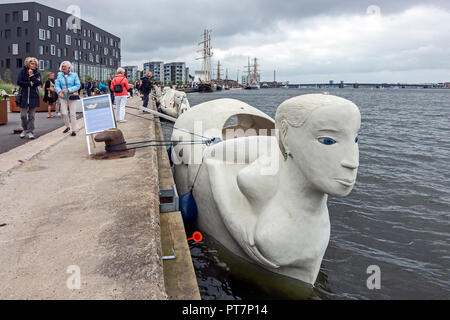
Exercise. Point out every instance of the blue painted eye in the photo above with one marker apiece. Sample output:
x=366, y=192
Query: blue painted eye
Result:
x=327, y=141
x=356, y=139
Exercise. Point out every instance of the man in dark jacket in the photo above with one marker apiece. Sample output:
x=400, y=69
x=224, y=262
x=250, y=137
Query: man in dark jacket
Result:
x=111, y=92
x=146, y=87
x=29, y=80
x=89, y=88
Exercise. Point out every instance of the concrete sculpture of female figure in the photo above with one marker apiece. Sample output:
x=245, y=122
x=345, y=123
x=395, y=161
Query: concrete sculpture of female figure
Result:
x=277, y=218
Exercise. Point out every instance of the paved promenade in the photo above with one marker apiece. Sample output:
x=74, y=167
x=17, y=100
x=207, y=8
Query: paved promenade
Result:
x=61, y=209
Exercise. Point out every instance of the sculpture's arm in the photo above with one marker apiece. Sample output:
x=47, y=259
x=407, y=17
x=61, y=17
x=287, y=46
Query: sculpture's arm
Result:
x=235, y=210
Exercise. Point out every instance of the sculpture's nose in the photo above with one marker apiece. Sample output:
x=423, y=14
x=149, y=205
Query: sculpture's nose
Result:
x=350, y=164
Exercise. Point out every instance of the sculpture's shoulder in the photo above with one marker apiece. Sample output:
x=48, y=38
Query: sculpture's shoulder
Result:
x=259, y=181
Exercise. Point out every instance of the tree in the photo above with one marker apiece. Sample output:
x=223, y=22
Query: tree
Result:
x=7, y=76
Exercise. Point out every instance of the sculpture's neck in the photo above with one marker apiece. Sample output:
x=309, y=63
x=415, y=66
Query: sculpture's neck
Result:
x=303, y=196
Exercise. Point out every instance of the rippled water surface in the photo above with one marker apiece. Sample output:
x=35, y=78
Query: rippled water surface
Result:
x=397, y=216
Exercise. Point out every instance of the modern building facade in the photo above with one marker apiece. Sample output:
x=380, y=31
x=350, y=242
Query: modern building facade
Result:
x=156, y=68
x=175, y=72
x=31, y=29
x=131, y=72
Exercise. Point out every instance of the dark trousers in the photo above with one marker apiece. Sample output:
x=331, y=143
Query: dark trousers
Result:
x=27, y=117
x=146, y=95
x=89, y=92
x=112, y=97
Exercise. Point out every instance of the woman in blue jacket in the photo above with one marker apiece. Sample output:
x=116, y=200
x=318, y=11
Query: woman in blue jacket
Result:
x=29, y=80
x=67, y=85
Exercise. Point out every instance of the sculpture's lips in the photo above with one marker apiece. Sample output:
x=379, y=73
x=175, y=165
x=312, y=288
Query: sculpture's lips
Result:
x=346, y=182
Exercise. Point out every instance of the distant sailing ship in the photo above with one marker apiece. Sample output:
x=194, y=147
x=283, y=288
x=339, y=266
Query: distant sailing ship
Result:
x=203, y=77
x=253, y=76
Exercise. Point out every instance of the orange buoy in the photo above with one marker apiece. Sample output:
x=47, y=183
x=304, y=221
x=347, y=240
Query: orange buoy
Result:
x=197, y=237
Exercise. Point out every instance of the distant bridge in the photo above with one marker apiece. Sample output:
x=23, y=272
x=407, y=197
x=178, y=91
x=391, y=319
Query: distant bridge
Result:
x=361, y=85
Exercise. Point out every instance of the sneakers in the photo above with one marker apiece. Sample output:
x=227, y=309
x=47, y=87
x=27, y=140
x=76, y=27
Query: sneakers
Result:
x=73, y=134
x=30, y=136
x=23, y=134
x=67, y=130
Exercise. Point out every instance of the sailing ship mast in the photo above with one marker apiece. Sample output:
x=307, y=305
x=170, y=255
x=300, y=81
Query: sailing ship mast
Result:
x=206, y=55
x=253, y=75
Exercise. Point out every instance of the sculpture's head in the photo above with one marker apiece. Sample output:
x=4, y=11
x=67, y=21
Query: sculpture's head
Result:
x=319, y=133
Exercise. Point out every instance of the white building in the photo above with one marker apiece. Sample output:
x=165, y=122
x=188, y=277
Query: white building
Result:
x=131, y=72
x=156, y=68
x=175, y=72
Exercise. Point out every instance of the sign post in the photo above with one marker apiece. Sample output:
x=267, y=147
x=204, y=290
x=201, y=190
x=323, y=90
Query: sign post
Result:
x=98, y=115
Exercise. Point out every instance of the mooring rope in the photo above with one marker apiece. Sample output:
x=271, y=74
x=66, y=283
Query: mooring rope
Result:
x=166, y=124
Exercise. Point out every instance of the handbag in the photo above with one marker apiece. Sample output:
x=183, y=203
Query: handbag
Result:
x=19, y=96
x=72, y=96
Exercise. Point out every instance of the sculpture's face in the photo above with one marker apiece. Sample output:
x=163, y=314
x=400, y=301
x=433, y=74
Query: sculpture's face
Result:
x=326, y=148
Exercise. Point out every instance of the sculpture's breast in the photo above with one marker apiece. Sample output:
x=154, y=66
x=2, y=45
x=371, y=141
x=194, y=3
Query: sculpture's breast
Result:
x=290, y=239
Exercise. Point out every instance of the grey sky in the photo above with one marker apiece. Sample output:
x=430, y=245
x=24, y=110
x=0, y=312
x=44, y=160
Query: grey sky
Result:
x=305, y=41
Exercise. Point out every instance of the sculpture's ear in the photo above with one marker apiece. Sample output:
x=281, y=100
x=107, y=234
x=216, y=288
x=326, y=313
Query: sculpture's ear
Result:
x=283, y=137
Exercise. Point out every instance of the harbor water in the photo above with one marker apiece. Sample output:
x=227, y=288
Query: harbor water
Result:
x=397, y=217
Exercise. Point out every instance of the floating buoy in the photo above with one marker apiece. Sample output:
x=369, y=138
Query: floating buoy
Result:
x=197, y=237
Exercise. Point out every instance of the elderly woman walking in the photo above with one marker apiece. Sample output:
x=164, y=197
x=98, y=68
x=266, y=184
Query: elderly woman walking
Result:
x=120, y=87
x=67, y=85
x=29, y=80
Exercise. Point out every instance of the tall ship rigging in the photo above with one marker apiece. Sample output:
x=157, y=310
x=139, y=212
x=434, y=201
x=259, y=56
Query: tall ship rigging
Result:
x=253, y=75
x=203, y=77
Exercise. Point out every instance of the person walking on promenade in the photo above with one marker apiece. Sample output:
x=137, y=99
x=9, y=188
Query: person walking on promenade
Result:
x=111, y=92
x=89, y=88
x=146, y=87
x=50, y=95
x=29, y=80
x=120, y=87
x=67, y=86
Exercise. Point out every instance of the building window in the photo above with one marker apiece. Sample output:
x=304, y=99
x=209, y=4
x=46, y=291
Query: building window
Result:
x=38, y=16
x=59, y=52
x=75, y=54
x=19, y=32
x=28, y=47
x=51, y=21
x=84, y=44
x=7, y=17
x=97, y=58
x=41, y=64
x=52, y=49
x=84, y=32
x=25, y=15
x=66, y=52
x=41, y=50
x=8, y=63
x=26, y=31
x=49, y=35
x=15, y=49
x=48, y=64
x=68, y=40
x=41, y=34
x=58, y=37
x=97, y=37
x=19, y=63
x=15, y=16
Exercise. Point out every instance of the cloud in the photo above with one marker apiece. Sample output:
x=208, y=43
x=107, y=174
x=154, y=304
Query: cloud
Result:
x=302, y=40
